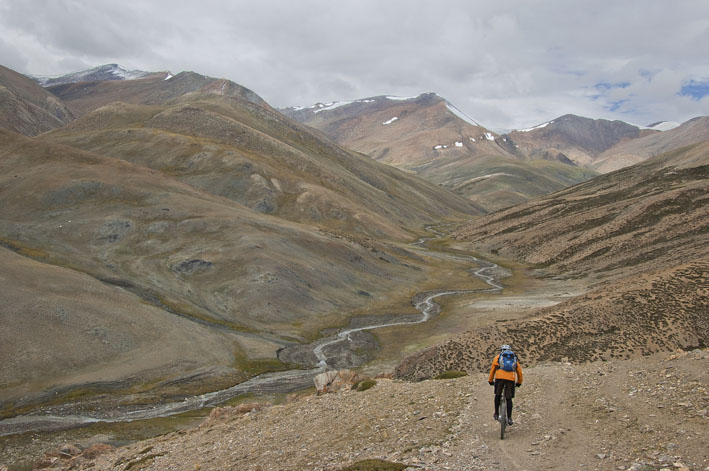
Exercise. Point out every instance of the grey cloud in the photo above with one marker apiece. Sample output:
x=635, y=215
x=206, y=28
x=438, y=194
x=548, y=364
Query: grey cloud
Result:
x=508, y=64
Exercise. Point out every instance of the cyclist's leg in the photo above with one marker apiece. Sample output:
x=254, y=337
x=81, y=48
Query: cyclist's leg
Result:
x=509, y=394
x=499, y=389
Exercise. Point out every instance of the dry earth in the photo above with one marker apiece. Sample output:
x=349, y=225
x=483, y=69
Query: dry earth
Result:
x=647, y=414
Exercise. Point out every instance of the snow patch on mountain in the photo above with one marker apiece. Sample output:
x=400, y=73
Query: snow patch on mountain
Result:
x=489, y=136
x=390, y=121
x=331, y=106
x=663, y=125
x=401, y=98
x=543, y=125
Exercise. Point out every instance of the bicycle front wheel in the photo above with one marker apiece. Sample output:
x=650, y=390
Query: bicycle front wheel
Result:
x=503, y=420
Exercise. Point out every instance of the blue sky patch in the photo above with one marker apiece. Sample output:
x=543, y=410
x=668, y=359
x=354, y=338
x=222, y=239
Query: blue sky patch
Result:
x=695, y=89
x=615, y=105
x=603, y=86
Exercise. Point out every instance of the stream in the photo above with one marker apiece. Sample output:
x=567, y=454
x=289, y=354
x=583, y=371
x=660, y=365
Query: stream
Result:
x=268, y=383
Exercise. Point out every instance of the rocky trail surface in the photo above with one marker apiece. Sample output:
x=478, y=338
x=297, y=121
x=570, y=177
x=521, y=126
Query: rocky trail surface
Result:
x=647, y=413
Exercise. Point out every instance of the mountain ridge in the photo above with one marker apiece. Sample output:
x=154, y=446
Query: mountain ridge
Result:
x=100, y=73
x=27, y=108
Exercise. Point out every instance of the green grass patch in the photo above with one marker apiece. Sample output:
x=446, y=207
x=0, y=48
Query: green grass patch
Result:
x=257, y=366
x=23, y=250
x=450, y=374
x=375, y=465
x=365, y=384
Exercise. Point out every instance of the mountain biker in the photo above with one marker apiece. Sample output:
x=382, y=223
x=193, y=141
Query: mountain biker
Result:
x=505, y=381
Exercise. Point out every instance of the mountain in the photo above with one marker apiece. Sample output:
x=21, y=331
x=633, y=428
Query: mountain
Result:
x=430, y=137
x=578, y=139
x=218, y=136
x=638, y=150
x=27, y=108
x=401, y=131
x=194, y=206
x=100, y=73
x=635, y=240
x=88, y=96
x=136, y=242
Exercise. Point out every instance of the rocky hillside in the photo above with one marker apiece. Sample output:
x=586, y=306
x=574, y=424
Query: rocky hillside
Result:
x=27, y=108
x=578, y=139
x=639, y=237
x=430, y=137
x=638, y=150
x=640, y=414
x=651, y=215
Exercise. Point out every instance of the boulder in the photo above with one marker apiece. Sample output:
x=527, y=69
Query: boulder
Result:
x=333, y=381
x=219, y=412
x=69, y=451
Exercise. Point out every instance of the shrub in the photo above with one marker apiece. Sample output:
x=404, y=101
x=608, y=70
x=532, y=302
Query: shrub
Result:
x=451, y=374
x=375, y=465
x=365, y=384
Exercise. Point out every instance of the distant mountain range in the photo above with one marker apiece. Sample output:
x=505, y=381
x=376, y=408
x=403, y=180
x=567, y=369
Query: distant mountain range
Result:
x=430, y=137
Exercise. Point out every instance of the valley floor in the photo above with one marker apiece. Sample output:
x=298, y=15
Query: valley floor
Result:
x=648, y=413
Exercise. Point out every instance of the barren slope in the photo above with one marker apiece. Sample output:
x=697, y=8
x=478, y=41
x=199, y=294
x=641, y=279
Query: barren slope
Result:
x=250, y=154
x=188, y=252
x=651, y=215
x=27, y=108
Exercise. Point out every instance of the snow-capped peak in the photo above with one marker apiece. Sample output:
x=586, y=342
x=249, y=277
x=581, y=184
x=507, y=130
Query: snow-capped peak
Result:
x=100, y=73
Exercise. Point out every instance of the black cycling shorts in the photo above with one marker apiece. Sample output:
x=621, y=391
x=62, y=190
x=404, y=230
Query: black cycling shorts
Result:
x=505, y=385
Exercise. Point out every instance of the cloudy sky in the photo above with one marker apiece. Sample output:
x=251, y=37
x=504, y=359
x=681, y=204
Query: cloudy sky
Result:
x=507, y=64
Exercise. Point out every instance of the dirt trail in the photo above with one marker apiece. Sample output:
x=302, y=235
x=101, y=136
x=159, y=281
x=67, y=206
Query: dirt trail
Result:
x=645, y=414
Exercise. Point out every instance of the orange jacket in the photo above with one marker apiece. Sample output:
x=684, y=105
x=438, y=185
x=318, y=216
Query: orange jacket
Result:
x=495, y=371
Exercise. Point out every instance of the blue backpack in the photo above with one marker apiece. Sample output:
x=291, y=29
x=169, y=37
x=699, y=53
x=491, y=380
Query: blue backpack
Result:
x=508, y=361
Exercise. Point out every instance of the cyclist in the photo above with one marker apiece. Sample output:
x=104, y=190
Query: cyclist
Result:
x=505, y=377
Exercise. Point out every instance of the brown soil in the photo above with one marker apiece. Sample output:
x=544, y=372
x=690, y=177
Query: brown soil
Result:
x=642, y=414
